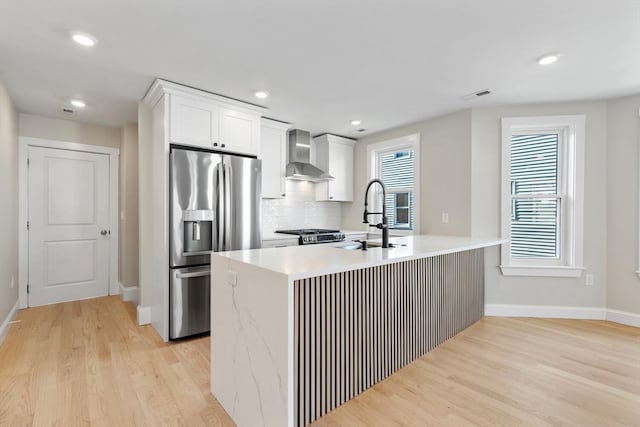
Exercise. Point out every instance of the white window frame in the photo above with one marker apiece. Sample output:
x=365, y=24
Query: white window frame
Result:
x=571, y=146
x=409, y=142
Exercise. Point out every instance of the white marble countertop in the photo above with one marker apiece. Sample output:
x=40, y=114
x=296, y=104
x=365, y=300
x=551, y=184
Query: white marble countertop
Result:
x=279, y=236
x=299, y=262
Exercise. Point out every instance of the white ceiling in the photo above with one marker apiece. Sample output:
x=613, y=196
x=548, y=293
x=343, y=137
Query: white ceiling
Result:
x=386, y=62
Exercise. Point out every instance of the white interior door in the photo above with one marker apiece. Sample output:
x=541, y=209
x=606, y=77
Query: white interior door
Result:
x=68, y=225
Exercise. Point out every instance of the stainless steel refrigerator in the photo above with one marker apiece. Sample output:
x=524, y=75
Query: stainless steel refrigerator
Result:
x=215, y=206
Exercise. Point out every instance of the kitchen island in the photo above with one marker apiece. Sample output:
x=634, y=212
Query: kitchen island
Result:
x=297, y=331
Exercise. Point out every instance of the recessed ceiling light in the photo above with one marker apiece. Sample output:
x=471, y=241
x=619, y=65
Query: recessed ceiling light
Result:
x=78, y=103
x=356, y=122
x=261, y=94
x=548, y=58
x=84, y=39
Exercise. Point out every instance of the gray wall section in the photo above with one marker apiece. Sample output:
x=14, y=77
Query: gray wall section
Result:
x=623, y=137
x=129, y=206
x=486, y=173
x=70, y=131
x=9, y=205
x=461, y=172
x=445, y=159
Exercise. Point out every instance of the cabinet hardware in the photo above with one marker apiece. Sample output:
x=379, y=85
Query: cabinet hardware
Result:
x=215, y=144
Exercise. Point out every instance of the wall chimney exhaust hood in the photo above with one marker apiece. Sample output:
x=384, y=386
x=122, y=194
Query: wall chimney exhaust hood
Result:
x=299, y=166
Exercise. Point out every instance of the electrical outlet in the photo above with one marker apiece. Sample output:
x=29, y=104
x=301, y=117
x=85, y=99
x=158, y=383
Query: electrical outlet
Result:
x=232, y=277
x=13, y=282
x=588, y=280
x=445, y=218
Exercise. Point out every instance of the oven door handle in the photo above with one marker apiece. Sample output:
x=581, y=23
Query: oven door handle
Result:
x=194, y=274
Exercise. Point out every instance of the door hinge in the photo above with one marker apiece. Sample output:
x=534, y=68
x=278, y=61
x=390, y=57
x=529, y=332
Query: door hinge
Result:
x=27, y=288
x=27, y=225
x=28, y=162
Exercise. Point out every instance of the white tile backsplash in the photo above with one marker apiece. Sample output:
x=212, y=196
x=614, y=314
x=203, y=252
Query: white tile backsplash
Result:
x=299, y=210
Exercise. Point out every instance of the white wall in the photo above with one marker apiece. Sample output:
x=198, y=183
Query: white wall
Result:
x=9, y=205
x=623, y=136
x=485, y=206
x=128, y=274
x=445, y=180
x=299, y=210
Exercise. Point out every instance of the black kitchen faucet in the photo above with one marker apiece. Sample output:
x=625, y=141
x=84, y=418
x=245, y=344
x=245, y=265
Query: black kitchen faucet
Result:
x=365, y=216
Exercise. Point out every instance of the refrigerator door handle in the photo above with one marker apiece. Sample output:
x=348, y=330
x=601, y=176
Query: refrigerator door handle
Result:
x=227, y=206
x=220, y=208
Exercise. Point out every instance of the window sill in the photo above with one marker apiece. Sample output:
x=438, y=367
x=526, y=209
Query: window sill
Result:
x=537, y=271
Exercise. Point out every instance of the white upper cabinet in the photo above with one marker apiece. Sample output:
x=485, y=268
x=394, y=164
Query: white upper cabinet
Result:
x=239, y=131
x=334, y=154
x=202, y=119
x=273, y=153
x=193, y=122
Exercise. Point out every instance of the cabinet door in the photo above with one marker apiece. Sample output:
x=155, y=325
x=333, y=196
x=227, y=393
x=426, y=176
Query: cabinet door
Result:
x=193, y=122
x=273, y=145
x=239, y=132
x=341, y=167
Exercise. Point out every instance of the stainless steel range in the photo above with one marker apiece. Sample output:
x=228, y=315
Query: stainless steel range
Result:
x=311, y=236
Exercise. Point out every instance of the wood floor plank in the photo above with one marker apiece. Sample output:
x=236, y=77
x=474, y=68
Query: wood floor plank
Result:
x=89, y=363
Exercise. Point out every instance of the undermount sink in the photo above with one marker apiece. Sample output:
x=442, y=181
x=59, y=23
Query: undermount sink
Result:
x=350, y=247
x=357, y=246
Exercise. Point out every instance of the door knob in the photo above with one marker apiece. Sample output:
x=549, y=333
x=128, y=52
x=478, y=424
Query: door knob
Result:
x=103, y=232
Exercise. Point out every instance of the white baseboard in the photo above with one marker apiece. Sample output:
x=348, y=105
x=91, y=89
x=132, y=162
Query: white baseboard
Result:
x=4, y=328
x=623, y=317
x=144, y=315
x=562, y=312
x=545, y=311
x=129, y=293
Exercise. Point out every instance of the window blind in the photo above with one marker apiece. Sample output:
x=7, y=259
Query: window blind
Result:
x=396, y=171
x=536, y=204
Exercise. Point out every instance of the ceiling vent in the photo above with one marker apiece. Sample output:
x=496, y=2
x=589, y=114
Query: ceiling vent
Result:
x=475, y=95
x=358, y=131
x=68, y=111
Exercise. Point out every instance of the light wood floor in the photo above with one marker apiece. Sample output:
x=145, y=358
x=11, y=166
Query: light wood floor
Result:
x=88, y=363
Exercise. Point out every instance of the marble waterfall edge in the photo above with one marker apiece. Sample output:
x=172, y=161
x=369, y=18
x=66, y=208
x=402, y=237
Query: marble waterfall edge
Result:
x=250, y=335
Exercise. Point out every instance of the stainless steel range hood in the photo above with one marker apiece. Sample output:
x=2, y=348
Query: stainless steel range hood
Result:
x=299, y=166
